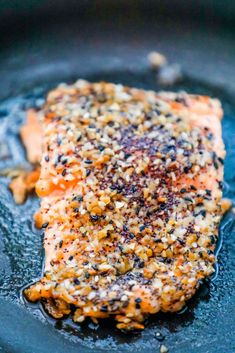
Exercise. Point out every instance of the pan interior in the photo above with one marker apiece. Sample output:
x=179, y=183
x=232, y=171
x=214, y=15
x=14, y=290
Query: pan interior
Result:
x=21, y=251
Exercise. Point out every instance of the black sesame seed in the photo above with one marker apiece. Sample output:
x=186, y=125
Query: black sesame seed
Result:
x=171, y=231
x=133, y=188
x=142, y=227
x=88, y=161
x=221, y=160
x=59, y=158
x=104, y=308
x=47, y=158
x=127, y=155
x=213, y=239
x=120, y=247
x=70, y=258
x=101, y=148
x=76, y=281
x=183, y=190
x=45, y=225
x=157, y=111
x=188, y=199
x=180, y=100
x=88, y=172
x=64, y=161
x=203, y=213
x=125, y=228
x=79, y=138
x=113, y=187
x=87, y=275
x=182, y=242
x=94, y=217
x=131, y=235
x=192, y=187
x=120, y=188
x=61, y=243
x=78, y=198
x=138, y=300
x=64, y=172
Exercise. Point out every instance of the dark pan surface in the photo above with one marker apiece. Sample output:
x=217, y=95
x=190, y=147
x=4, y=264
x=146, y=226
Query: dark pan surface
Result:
x=31, y=63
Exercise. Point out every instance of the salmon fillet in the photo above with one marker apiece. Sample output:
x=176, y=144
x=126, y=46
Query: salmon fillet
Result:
x=130, y=189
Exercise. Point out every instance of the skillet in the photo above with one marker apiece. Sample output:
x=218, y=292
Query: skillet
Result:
x=46, y=42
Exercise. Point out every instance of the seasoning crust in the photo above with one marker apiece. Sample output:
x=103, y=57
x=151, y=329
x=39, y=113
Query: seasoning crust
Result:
x=130, y=188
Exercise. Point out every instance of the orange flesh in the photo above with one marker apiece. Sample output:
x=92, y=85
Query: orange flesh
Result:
x=31, y=135
x=102, y=255
x=24, y=184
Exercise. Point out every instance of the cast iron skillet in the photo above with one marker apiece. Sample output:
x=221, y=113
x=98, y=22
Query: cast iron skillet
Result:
x=46, y=42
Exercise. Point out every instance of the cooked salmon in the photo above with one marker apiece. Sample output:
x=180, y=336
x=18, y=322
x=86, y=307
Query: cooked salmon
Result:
x=130, y=187
x=31, y=136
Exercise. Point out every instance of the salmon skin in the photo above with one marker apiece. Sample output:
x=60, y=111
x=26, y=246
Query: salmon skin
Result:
x=130, y=189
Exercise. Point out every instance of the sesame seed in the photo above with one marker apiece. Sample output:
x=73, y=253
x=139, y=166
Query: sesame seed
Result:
x=88, y=172
x=45, y=225
x=104, y=308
